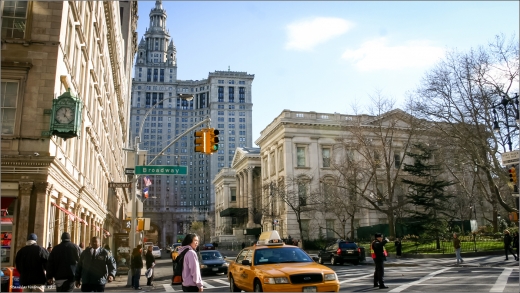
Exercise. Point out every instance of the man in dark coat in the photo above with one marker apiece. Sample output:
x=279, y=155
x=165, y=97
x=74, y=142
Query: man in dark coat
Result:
x=30, y=262
x=507, y=245
x=96, y=267
x=62, y=264
x=150, y=263
x=378, y=254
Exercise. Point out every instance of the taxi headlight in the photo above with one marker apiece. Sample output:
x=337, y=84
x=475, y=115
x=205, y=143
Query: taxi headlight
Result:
x=330, y=277
x=203, y=266
x=282, y=280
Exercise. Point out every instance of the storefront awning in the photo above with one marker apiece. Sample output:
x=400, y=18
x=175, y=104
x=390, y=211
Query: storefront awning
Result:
x=234, y=212
x=71, y=215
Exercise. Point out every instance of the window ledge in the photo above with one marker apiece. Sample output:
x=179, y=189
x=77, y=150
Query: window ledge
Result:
x=307, y=168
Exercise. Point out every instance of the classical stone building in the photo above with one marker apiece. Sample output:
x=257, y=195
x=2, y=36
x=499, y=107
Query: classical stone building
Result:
x=159, y=115
x=51, y=185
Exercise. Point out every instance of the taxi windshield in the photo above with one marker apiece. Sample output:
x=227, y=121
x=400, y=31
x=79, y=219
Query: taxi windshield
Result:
x=280, y=255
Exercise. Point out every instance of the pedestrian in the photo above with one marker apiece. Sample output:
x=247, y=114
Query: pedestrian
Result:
x=507, y=245
x=107, y=248
x=62, y=263
x=136, y=265
x=243, y=245
x=300, y=243
x=95, y=264
x=378, y=253
x=456, y=246
x=191, y=278
x=398, y=247
x=30, y=261
x=150, y=263
x=515, y=243
x=81, y=246
x=49, y=248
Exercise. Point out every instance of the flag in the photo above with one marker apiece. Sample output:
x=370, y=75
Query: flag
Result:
x=145, y=192
x=147, y=181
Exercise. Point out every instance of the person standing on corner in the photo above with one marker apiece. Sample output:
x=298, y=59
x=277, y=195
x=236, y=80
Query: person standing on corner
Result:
x=62, y=263
x=95, y=264
x=378, y=252
x=191, y=278
x=515, y=244
x=456, y=246
x=30, y=261
x=507, y=245
x=398, y=247
x=136, y=265
x=150, y=263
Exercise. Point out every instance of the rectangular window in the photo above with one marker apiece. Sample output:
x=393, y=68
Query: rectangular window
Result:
x=149, y=75
x=397, y=161
x=8, y=105
x=302, y=193
x=330, y=228
x=161, y=77
x=231, y=92
x=325, y=153
x=155, y=75
x=14, y=18
x=241, y=94
x=300, y=156
x=305, y=229
x=233, y=192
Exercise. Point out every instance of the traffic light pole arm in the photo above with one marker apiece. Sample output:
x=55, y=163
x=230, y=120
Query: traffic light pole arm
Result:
x=207, y=120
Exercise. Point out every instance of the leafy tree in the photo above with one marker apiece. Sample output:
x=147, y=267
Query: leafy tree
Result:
x=427, y=192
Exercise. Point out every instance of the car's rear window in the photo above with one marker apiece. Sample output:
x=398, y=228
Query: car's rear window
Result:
x=156, y=248
x=347, y=245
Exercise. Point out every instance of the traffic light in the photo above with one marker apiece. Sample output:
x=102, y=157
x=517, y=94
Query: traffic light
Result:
x=140, y=224
x=211, y=140
x=512, y=175
x=200, y=141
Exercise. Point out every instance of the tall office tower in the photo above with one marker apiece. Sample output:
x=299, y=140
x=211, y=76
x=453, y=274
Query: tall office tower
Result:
x=175, y=201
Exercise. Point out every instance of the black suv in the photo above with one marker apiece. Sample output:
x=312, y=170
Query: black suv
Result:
x=341, y=252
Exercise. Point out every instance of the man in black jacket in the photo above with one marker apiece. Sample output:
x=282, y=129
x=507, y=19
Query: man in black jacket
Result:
x=30, y=262
x=150, y=263
x=96, y=266
x=507, y=245
x=379, y=256
x=62, y=264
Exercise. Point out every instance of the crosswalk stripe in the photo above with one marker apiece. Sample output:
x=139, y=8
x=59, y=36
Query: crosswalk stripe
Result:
x=168, y=288
x=355, y=279
x=429, y=276
x=221, y=281
x=500, y=284
x=206, y=285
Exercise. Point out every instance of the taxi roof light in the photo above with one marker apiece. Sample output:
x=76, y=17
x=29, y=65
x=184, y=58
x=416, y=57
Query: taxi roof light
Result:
x=270, y=238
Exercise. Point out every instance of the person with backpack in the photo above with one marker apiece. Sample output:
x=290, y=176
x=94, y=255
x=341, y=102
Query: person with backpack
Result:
x=188, y=265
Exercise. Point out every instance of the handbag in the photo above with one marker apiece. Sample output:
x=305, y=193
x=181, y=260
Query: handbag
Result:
x=149, y=272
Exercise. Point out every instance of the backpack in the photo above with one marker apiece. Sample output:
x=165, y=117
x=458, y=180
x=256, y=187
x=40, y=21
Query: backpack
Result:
x=177, y=271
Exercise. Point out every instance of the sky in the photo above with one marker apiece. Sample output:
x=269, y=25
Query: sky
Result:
x=326, y=56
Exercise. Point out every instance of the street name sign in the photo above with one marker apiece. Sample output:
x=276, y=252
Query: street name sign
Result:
x=161, y=170
x=510, y=158
x=119, y=184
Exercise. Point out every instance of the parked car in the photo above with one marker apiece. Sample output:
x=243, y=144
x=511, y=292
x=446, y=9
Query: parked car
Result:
x=156, y=251
x=212, y=262
x=208, y=246
x=341, y=252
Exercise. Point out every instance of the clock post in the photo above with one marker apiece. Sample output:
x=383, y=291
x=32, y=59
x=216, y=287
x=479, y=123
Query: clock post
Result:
x=66, y=116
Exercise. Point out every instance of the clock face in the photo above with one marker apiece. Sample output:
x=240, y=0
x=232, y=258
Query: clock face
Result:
x=64, y=115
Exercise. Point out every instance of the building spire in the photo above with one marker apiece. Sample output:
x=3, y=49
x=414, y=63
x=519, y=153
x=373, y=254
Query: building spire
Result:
x=158, y=4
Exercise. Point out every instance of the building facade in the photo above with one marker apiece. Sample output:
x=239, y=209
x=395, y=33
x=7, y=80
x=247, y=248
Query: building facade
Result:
x=159, y=115
x=49, y=184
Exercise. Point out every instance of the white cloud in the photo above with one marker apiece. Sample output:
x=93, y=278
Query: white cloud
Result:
x=305, y=35
x=376, y=54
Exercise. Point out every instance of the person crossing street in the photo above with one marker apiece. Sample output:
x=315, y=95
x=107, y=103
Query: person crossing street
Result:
x=378, y=252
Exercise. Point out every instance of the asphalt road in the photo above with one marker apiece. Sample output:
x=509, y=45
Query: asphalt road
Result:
x=478, y=274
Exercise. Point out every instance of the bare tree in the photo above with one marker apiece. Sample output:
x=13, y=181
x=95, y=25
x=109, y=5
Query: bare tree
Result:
x=460, y=94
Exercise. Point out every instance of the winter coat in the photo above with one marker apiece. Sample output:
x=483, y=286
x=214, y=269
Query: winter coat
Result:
x=456, y=243
x=507, y=240
x=137, y=262
x=150, y=259
x=63, y=261
x=190, y=269
x=30, y=262
x=378, y=248
x=95, y=271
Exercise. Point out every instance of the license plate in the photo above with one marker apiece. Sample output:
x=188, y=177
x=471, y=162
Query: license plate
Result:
x=350, y=252
x=309, y=289
x=215, y=269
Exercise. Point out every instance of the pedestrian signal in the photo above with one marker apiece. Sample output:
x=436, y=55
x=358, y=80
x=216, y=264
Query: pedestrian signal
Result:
x=212, y=140
x=200, y=143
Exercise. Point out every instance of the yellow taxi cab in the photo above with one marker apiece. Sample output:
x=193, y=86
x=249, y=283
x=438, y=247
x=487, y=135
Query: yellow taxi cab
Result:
x=272, y=266
x=175, y=252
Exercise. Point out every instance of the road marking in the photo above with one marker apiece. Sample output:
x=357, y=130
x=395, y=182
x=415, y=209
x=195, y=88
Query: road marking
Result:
x=427, y=277
x=355, y=279
x=206, y=285
x=501, y=282
x=221, y=281
x=168, y=288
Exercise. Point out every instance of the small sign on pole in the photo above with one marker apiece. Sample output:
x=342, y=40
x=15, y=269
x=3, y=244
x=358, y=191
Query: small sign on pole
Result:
x=119, y=184
x=510, y=158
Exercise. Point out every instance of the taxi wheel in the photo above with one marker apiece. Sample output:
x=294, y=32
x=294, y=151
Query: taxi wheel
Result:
x=232, y=286
x=332, y=261
x=258, y=286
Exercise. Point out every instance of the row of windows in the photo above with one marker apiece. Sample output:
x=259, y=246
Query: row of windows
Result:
x=221, y=81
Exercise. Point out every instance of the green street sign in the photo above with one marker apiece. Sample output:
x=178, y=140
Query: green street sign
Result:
x=161, y=170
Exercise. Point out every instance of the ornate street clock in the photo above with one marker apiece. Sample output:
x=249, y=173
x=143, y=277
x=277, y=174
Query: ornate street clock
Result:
x=66, y=116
